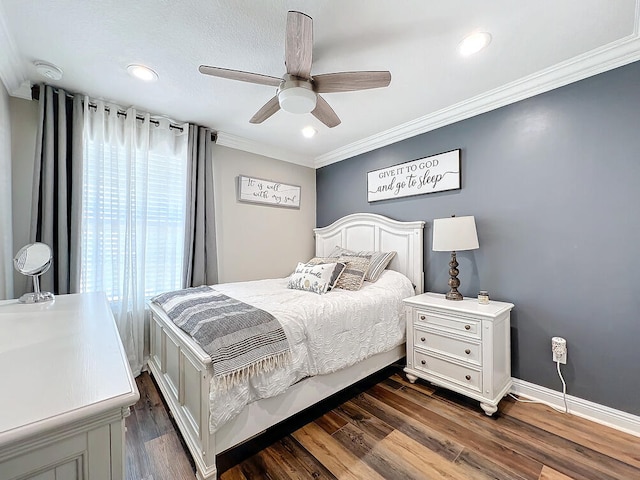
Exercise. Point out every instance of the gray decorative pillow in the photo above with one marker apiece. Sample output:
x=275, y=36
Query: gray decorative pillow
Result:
x=379, y=260
x=312, y=278
x=353, y=275
x=336, y=272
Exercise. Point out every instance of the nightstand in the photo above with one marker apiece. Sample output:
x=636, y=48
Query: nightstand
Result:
x=460, y=345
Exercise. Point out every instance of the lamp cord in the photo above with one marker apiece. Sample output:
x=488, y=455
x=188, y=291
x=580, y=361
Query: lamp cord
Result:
x=564, y=389
x=564, y=395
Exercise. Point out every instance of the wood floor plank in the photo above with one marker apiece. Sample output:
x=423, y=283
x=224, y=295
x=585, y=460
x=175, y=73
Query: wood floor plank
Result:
x=426, y=462
x=365, y=421
x=168, y=466
x=254, y=468
x=340, y=462
x=372, y=451
x=394, y=430
x=435, y=441
x=330, y=422
x=150, y=411
x=420, y=386
x=405, y=401
x=478, y=466
x=614, y=443
x=234, y=473
x=307, y=463
x=530, y=441
x=551, y=474
x=554, y=450
x=281, y=465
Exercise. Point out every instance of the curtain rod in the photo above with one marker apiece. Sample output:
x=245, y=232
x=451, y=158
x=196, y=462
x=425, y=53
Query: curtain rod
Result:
x=35, y=95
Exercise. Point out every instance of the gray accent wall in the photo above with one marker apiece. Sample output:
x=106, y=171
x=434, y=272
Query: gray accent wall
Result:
x=554, y=184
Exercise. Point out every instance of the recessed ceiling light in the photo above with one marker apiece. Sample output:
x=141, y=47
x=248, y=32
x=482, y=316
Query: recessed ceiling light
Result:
x=142, y=73
x=474, y=43
x=48, y=70
x=309, y=132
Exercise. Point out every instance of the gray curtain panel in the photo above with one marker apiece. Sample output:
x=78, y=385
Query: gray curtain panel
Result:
x=57, y=187
x=201, y=261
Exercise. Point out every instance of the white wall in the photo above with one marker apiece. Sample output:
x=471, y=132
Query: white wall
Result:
x=259, y=241
x=24, y=126
x=6, y=239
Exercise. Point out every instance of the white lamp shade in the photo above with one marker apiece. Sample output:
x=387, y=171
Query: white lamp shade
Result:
x=454, y=234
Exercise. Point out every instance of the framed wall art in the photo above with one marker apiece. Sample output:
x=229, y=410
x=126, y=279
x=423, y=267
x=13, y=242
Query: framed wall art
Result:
x=437, y=173
x=267, y=192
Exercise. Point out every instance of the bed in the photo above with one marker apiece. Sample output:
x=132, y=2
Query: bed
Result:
x=183, y=370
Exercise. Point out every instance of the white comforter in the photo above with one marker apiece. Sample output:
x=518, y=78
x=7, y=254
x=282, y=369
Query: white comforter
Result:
x=326, y=333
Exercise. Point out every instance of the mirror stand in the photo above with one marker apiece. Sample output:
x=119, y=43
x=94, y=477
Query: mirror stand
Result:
x=36, y=296
x=33, y=260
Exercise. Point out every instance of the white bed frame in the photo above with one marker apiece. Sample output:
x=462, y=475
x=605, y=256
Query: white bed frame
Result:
x=183, y=371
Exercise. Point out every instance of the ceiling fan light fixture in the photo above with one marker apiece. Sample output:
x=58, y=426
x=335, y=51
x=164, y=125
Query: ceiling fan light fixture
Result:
x=297, y=100
x=473, y=43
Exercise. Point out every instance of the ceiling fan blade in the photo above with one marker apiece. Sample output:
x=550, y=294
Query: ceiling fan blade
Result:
x=269, y=108
x=325, y=113
x=350, y=81
x=239, y=75
x=298, y=44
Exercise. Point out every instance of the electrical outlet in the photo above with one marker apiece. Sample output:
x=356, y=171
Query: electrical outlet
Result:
x=559, y=349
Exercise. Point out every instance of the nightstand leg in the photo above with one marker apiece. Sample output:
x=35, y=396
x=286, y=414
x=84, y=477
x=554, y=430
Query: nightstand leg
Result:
x=489, y=409
x=411, y=378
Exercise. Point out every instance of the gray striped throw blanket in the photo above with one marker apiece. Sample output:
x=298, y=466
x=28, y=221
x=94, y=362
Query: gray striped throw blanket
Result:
x=242, y=340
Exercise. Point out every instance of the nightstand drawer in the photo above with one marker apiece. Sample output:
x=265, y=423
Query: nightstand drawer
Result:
x=462, y=349
x=449, y=371
x=468, y=327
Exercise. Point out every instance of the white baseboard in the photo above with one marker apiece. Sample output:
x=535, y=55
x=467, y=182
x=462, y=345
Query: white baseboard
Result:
x=595, y=412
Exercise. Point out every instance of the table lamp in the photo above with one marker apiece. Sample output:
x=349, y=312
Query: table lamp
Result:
x=454, y=234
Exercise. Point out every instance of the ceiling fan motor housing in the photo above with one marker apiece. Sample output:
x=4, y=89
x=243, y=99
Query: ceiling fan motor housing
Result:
x=296, y=95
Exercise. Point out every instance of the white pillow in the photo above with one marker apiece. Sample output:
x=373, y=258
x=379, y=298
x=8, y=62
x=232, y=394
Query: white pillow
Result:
x=336, y=271
x=379, y=260
x=314, y=279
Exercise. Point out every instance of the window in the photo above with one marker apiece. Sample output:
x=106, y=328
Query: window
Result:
x=133, y=218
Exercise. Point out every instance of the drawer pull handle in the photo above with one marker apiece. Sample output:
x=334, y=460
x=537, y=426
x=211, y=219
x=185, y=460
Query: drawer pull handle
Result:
x=424, y=362
x=468, y=377
x=467, y=351
x=467, y=327
x=422, y=317
x=422, y=339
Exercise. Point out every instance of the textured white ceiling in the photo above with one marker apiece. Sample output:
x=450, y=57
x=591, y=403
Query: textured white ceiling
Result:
x=536, y=46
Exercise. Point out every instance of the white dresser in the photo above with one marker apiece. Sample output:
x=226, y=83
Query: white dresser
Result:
x=460, y=345
x=66, y=387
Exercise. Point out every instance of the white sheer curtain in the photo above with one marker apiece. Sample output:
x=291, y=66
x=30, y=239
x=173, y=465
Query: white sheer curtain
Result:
x=134, y=208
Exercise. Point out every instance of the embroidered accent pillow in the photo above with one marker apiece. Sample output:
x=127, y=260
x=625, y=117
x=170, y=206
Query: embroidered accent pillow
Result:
x=336, y=272
x=353, y=275
x=379, y=261
x=311, y=278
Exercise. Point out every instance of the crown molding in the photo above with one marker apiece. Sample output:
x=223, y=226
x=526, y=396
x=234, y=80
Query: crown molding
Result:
x=11, y=72
x=246, y=145
x=608, y=57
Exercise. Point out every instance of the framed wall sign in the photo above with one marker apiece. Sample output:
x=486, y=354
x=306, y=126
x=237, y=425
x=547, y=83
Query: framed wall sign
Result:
x=437, y=173
x=258, y=190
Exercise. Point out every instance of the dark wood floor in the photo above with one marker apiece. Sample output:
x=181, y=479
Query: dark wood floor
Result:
x=387, y=428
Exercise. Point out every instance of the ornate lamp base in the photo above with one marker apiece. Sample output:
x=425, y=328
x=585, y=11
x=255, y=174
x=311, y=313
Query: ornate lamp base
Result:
x=454, y=283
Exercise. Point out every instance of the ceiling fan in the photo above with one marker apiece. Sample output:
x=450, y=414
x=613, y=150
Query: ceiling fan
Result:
x=298, y=91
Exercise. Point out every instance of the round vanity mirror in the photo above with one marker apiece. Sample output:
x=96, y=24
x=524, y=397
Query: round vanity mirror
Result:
x=33, y=260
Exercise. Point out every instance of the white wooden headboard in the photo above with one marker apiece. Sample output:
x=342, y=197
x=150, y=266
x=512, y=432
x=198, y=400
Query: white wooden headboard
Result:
x=372, y=232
